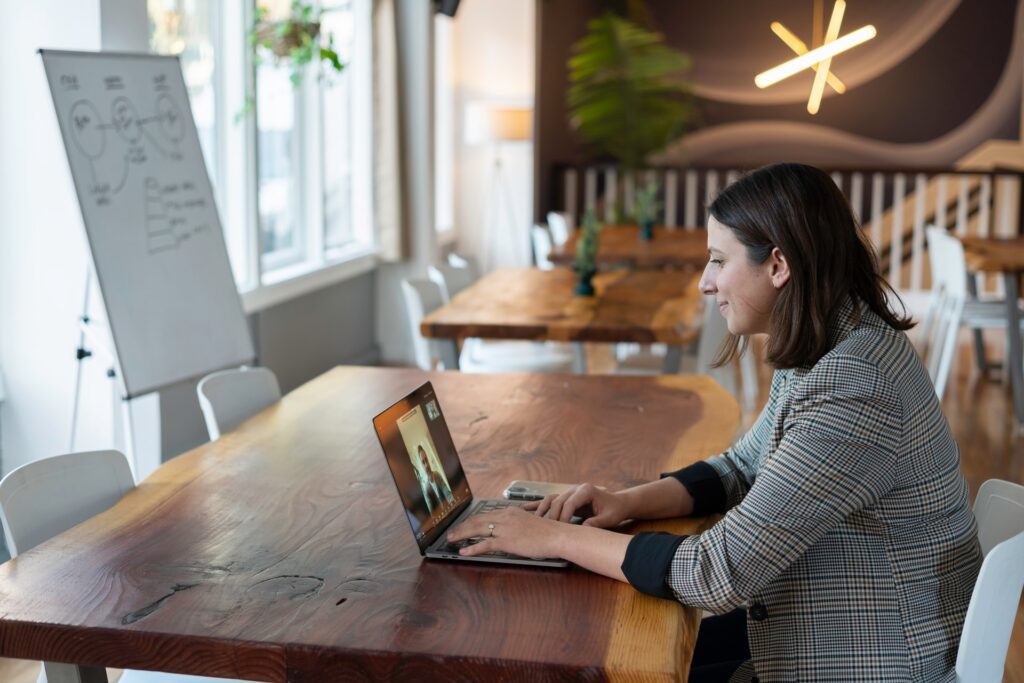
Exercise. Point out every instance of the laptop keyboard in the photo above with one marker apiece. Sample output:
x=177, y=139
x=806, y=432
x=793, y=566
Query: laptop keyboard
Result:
x=482, y=507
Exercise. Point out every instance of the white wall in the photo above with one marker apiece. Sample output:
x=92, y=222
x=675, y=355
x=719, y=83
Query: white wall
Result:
x=43, y=259
x=494, y=61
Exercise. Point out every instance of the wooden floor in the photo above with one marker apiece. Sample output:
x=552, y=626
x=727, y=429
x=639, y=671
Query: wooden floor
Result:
x=980, y=413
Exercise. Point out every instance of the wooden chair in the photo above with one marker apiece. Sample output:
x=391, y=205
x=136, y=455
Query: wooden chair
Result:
x=44, y=498
x=985, y=639
x=230, y=397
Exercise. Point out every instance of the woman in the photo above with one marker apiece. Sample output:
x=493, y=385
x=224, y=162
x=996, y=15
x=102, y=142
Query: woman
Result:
x=847, y=536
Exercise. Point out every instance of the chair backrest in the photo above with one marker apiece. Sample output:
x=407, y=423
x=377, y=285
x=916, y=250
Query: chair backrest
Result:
x=713, y=332
x=985, y=640
x=946, y=311
x=467, y=262
x=999, y=509
x=451, y=279
x=230, y=397
x=421, y=296
x=541, y=247
x=560, y=225
x=46, y=497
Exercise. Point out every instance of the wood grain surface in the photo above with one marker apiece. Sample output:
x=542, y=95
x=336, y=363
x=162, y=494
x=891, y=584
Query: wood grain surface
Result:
x=281, y=551
x=643, y=306
x=994, y=254
x=620, y=245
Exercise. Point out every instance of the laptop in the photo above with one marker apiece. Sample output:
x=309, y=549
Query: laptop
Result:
x=430, y=480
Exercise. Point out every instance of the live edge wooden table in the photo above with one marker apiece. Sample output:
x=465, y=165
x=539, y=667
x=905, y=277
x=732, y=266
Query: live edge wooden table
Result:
x=644, y=306
x=620, y=245
x=280, y=552
x=1005, y=256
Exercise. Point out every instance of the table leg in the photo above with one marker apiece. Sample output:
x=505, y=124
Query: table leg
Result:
x=673, y=360
x=449, y=350
x=1013, y=340
x=579, y=358
x=57, y=672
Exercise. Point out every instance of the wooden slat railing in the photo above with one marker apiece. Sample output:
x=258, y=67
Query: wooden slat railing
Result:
x=894, y=206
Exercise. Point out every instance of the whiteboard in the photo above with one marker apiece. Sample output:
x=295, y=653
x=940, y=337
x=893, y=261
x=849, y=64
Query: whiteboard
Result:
x=149, y=213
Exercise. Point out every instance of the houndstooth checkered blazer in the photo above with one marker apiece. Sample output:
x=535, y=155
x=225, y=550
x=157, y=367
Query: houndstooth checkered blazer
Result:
x=848, y=535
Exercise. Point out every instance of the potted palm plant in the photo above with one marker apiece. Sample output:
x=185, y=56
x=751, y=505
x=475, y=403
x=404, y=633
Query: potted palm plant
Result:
x=628, y=96
x=645, y=209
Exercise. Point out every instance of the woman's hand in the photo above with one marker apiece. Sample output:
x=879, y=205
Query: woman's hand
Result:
x=608, y=509
x=510, y=531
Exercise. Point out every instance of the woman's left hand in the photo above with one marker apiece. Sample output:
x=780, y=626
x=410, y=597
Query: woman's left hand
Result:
x=511, y=530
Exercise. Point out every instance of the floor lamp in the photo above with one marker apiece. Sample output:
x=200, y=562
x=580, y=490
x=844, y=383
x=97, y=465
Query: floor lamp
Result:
x=498, y=124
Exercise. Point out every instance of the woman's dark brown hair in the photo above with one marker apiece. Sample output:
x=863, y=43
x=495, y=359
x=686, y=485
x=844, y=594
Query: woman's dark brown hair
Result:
x=800, y=210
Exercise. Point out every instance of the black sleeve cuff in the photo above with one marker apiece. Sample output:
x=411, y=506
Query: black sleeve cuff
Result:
x=704, y=485
x=648, y=560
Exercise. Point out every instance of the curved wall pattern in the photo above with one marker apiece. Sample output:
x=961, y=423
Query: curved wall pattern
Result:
x=941, y=78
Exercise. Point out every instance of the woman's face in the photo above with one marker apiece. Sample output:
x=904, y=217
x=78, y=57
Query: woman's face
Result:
x=745, y=291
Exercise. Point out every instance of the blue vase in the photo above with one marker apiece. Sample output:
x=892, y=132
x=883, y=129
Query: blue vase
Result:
x=647, y=230
x=585, y=286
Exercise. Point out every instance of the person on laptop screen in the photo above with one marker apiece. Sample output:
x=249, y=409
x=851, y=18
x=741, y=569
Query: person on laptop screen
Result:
x=847, y=550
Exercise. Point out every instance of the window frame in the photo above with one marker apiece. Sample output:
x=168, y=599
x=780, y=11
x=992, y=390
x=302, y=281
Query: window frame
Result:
x=265, y=280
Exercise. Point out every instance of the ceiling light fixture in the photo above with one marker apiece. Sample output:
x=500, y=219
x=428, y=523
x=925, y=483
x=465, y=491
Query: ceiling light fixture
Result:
x=820, y=58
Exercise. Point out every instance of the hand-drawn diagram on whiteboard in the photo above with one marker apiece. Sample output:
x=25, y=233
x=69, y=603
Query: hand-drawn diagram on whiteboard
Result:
x=119, y=143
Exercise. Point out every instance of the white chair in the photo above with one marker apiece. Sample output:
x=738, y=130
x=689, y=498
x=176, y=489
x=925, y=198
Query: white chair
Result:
x=985, y=640
x=423, y=296
x=468, y=263
x=713, y=333
x=560, y=225
x=49, y=496
x=450, y=279
x=230, y=397
x=542, y=246
x=946, y=308
x=454, y=275
x=949, y=268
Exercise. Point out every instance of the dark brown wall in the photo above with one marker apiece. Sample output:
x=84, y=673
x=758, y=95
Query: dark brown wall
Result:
x=927, y=95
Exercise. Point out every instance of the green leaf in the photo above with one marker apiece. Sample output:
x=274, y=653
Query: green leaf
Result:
x=331, y=57
x=627, y=95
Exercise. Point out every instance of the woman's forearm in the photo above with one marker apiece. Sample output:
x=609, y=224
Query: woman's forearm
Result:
x=659, y=499
x=598, y=550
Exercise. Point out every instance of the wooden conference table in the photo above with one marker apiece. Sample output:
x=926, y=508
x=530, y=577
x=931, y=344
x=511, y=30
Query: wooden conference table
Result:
x=1005, y=256
x=620, y=245
x=281, y=552
x=643, y=306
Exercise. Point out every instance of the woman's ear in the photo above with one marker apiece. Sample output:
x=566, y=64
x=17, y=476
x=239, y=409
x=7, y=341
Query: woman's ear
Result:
x=778, y=268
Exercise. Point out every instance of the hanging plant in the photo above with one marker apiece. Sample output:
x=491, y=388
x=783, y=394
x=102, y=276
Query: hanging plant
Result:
x=294, y=42
x=627, y=95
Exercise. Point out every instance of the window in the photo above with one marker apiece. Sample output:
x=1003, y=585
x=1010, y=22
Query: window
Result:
x=291, y=170
x=444, y=128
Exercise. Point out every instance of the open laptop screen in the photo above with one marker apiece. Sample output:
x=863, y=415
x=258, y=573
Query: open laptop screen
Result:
x=422, y=458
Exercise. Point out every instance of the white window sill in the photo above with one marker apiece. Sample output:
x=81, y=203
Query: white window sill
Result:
x=289, y=283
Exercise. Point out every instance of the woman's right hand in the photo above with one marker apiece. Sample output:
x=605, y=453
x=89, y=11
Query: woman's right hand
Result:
x=608, y=509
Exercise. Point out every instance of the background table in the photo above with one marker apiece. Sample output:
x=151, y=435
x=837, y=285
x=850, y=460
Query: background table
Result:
x=281, y=551
x=644, y=306
x=620, y=245
x=1006, y=256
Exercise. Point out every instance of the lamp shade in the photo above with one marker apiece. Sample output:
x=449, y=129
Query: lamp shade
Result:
x=487, y=122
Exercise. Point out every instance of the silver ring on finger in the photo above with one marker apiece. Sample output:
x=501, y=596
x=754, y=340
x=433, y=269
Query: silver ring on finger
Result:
x=490, y=530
